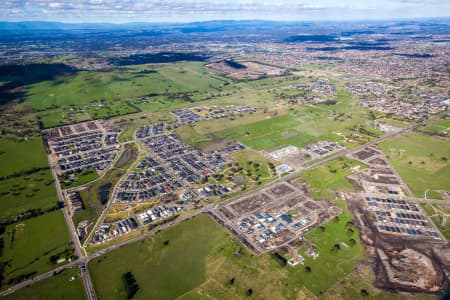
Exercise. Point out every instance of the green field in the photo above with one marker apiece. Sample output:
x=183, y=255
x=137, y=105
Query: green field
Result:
x=118, y=91
x=21, y=156
x=247, y=170
x=34, y=191
x=62, y=116
x=157, y=267
x=330, y=177
x=91, y=196
x=30, y=244
x=440, y=127
x=439, y=216
x=198, y=262
x=65, y=285
x=205, y=262
x=279, y=126
x=122, y=83
x=82, y=177
x=424, y=164
x=329, y=267
x=350, y=287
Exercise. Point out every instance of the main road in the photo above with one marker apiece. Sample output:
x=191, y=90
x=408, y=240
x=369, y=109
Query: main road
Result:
x=83, y=259
x=78, y=250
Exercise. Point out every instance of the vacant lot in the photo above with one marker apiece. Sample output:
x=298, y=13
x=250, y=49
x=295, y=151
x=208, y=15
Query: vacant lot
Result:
x=246, y=70
x=29, y=246
x=362, y=278
x=65, y=285
x=331, y=176
x=330, y=266
x=421, y=160
x=248, y=170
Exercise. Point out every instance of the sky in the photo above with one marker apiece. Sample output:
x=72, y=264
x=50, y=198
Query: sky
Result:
x=122, y=11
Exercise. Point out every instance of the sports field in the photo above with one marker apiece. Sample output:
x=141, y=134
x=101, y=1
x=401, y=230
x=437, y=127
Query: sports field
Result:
x=421, y=160
x=29, y=246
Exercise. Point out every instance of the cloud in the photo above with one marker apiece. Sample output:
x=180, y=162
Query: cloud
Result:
x=166, y=10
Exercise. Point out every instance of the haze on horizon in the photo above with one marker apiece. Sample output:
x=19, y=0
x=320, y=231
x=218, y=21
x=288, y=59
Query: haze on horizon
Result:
x=122, y=11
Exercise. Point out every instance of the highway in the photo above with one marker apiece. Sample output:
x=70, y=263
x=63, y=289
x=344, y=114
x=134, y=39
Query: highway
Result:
x=83, y=259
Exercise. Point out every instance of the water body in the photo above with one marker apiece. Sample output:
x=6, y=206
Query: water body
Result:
x=104, y=192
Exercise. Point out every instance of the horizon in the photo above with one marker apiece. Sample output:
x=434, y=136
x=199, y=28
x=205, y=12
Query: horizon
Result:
x=157, y=11
x=446, y=18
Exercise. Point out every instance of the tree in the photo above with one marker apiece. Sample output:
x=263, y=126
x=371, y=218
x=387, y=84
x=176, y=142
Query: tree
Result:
x=232, y=281
x=308, y=269
x=364, y=293
x=130, y=285
x=249, y=292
